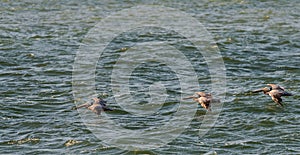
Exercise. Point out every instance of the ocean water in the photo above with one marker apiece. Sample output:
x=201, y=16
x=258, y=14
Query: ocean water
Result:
x=40, y=41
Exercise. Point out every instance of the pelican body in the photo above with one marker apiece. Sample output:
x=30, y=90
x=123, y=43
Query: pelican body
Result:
x=275, y=91
x=204, y=99
x=97, y=105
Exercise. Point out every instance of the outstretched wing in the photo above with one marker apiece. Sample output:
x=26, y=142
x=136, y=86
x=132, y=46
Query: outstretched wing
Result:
x=96, y=109
x=277, y=100
x=205, y=102
x=284, y=93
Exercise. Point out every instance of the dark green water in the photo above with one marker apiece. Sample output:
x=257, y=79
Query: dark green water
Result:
x=259, y=42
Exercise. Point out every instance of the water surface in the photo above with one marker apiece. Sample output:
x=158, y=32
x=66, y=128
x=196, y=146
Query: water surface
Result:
x=259, y=42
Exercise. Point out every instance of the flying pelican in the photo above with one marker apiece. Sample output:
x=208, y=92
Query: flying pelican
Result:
x=204, y=99
x=97, y=105
x=275, y=91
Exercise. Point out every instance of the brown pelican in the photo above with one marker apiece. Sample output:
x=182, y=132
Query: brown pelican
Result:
x=275, y=91
x=204, y=99
x=96, y=105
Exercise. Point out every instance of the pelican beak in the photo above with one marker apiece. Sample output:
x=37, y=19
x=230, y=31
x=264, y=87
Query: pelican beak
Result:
x=190, y=97
x=256, y=91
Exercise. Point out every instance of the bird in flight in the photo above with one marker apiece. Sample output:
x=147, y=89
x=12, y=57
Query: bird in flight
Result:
x=275, y=91
x=97, y=105
x=204, y=99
